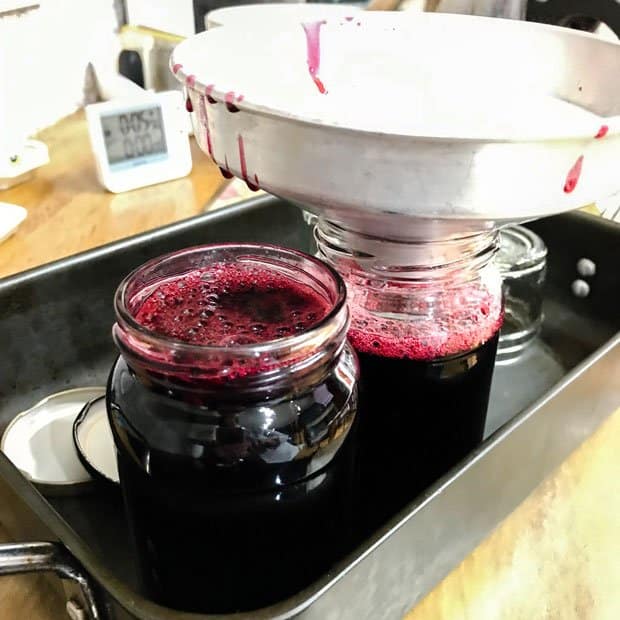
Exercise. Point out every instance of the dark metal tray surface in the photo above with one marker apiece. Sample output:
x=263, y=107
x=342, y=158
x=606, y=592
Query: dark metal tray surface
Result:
x=55, y=334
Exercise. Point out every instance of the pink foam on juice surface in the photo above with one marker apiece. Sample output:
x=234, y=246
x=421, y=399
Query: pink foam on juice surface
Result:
x=457, y=322
x=227, y=305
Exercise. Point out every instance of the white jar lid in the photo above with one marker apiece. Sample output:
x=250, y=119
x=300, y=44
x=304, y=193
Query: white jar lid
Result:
x=39, y=442
x=94, y=443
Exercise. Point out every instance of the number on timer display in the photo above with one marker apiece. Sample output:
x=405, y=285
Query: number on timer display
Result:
x=135, y=137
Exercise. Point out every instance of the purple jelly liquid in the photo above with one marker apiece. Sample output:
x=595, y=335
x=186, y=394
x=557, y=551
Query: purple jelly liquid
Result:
x=225, y=514
x=424, y=391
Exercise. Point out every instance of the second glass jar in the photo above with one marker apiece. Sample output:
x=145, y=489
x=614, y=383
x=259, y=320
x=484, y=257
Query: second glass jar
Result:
x=425, y=319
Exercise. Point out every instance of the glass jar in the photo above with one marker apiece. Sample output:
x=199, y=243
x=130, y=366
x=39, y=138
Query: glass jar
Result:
x=522, y=262
x=425, y=318
x=233, y=464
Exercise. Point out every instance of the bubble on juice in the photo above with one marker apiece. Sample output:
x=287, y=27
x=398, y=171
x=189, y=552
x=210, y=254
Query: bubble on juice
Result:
x=454, y=320
x=231, y=304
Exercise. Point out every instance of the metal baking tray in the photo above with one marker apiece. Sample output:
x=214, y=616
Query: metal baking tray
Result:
x=55, y=334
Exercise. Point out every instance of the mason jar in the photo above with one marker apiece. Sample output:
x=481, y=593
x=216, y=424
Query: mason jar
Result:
x=425, y=319
x=230, y=405
x=522, y=263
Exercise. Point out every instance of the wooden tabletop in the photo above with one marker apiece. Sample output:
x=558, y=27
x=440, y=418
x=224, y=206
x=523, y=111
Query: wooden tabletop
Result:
x=69, y=211
x=556, y=557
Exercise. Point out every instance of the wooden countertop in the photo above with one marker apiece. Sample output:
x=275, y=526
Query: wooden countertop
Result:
x=69, y=211
x=556, y=556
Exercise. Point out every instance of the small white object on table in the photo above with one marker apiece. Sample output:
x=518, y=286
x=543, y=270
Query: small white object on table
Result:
x=11, y=216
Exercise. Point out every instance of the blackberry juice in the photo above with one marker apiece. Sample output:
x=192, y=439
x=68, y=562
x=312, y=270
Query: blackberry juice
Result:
x=425, y=323
x=230, y=406
x=432, y=413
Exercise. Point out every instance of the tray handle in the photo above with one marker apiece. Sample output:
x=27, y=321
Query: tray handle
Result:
x=16, y=558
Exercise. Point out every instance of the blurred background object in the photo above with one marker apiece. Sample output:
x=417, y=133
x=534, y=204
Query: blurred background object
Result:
x=144, y=57
x=38, y=55
x=601, y=17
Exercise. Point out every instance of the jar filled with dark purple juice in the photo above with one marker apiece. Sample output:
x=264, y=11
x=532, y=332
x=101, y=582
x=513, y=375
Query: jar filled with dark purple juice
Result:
x=230, y=406
x=425, y=317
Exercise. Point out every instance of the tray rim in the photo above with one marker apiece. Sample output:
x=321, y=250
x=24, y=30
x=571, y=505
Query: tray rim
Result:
x=237, y=208
x=107, y=249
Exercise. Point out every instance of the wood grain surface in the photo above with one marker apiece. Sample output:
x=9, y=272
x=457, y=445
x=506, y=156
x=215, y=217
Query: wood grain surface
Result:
x=557, y=557
x=70, y=212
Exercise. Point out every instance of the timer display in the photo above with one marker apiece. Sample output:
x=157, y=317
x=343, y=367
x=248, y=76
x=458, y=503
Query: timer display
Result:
x=134, y=137
x=140, y=140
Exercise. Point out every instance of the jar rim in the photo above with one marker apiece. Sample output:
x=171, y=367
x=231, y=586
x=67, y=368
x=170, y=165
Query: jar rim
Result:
x=415, y=261
x=126, y=319
x=521, y=251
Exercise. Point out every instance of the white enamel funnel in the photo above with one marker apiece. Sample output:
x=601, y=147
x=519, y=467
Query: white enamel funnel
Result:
x=446, y=123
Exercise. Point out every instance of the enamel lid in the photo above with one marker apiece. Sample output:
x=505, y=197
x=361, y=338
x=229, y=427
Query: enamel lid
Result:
x=93, y=440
